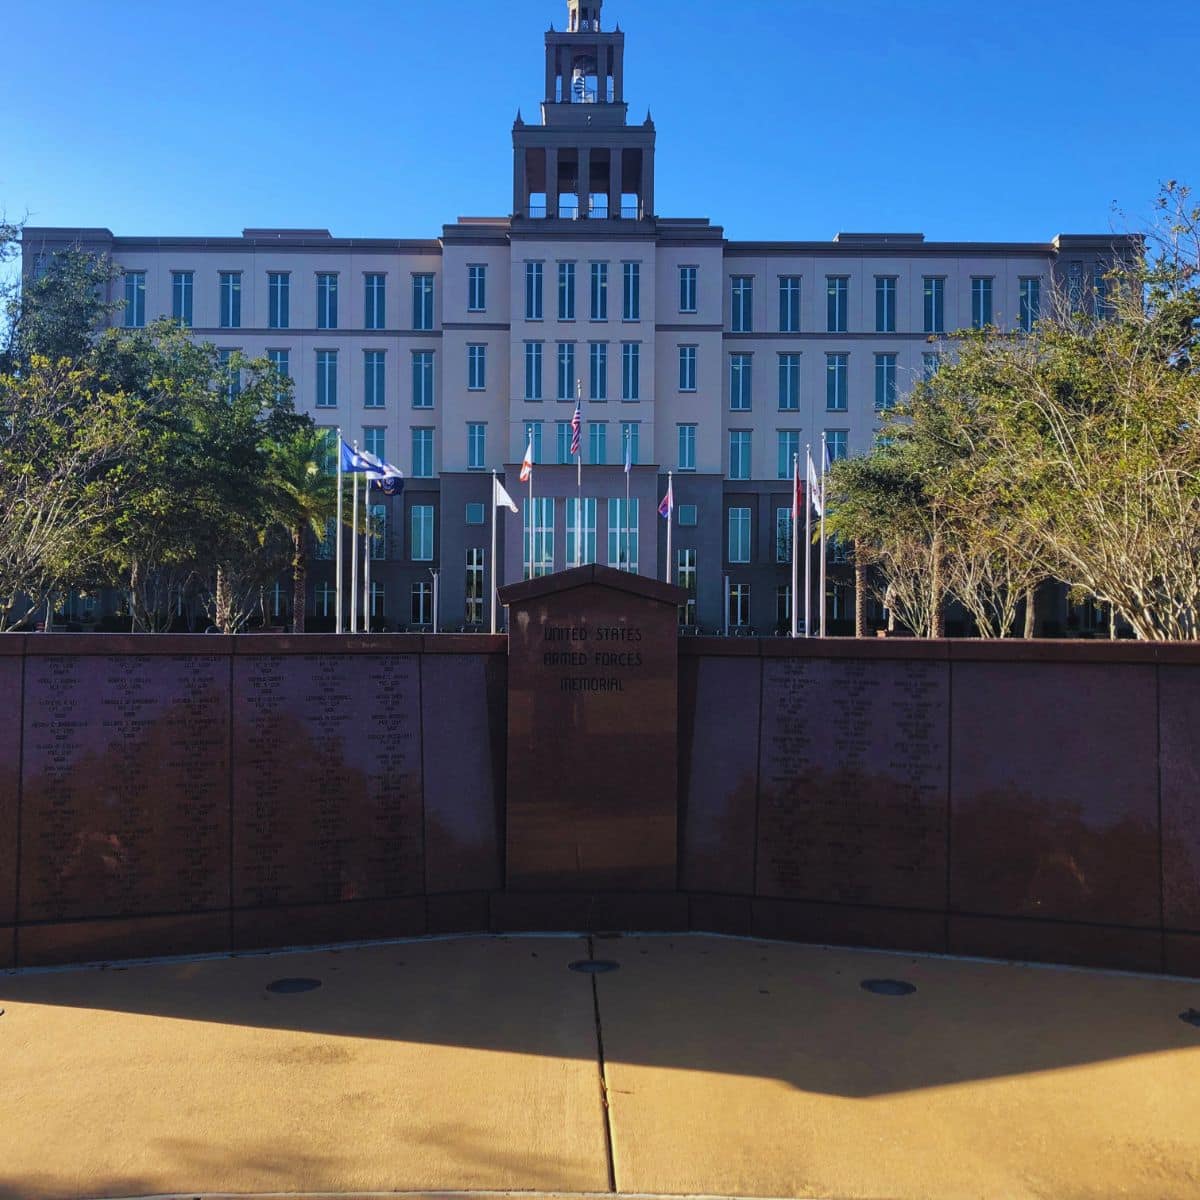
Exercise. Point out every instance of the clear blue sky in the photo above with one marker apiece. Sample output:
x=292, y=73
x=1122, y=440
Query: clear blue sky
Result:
x=776, y=118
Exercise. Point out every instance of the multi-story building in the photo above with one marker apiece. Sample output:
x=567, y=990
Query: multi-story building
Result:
x=717, y=360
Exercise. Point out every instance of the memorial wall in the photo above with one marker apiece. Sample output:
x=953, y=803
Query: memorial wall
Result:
x=174, y=795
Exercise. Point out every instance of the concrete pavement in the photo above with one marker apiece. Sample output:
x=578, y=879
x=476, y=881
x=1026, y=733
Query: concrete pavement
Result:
x=730, y=1067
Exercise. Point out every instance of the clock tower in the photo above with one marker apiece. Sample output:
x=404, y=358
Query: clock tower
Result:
x=583, y=161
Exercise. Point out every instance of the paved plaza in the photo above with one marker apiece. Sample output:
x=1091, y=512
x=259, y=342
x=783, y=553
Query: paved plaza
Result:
x=729, y=1067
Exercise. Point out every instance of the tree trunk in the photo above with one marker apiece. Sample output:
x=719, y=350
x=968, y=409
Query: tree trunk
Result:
x=1030, y=595
x=860, y=599
x=223, y=602
x=299, y=580
x=937, y=615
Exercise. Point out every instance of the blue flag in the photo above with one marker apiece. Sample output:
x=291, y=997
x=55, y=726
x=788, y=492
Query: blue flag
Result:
x=354, y=460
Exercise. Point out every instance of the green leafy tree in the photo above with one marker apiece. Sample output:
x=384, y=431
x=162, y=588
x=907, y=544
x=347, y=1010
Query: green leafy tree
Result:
x=307, y=503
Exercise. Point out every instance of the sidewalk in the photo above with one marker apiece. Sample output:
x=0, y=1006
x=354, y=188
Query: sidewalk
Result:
x=732, y=1068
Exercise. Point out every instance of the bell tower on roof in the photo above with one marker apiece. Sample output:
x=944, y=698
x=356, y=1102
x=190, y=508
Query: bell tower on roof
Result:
x=584, y=162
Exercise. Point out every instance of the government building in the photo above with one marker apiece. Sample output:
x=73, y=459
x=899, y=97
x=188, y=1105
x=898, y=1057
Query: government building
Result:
x=714, y=359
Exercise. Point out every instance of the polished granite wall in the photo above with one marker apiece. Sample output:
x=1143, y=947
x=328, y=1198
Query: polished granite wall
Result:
x=168, y=795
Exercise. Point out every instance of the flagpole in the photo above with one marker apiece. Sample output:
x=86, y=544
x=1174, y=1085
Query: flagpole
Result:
x=822, y=535
x=530, y=571
x=628, y=472
x=796, y=544
x=492, y=560
x=807, y=543
x=338, y=570
x=367, y=557
x=579, y=555
x=354, y=551
x=670, y=518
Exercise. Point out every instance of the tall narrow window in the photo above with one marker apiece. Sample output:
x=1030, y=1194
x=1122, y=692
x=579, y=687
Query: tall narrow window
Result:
x=562, y=442
x=421, y=612
x=533, y=370
x=837, y=388
x=935, y=304
x=374, y=379
x=538, y=536
x=477, y=287
x=629, y=442
x=581, y=531
x=631, y=293
x=566, y=291
x=1101, y=305
x=837, y=302
x=375, y=440
x=566, y=370
x=630, y=370
x=280, y=364
x=422, y=453
x=279, y=299
x=533, y=291
x=885, y=303
x=597, y=443
x=687, y=447
x=231, y=299
x=476, y=446
x=739, y=453
x=742, y=303
x=788, y=445
x=375, y=300
x=599, y=291
x=598, y=370
x=885, y=381
x=327, y=378
x=789, y=304
x=1031, y=298
x=687, y=289
x=783, y=536
x=476, y=368
x=473, y=610
x=739, y=605
x=327, y=301
x=838, y=442
x=931, y=360
x=135, y=299
x=685, y=577
x=623, y=535
x=789, y=382
x=181, y=297
x=1075, y=286
x=421, y=533
x=687, y=368
x=533, y=437
x=739, y=536
x=422, y=373
x=740, y=382
x=422, y=286
x=233, y=376
x=981, y=301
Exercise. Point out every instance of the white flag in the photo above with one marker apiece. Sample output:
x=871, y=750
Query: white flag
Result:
x=814, y=486
x=501, y=498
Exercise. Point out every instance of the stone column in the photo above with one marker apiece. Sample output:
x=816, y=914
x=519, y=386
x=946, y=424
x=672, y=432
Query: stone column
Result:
x=585, y=186
x=552, y=181
x=647, y=196
x=520, y=184
x=551, y=67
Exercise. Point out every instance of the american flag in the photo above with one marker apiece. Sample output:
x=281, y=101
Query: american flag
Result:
x=576, y=425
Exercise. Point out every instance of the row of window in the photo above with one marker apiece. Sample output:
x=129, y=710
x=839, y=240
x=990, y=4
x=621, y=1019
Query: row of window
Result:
x=568, y=384
x=279, y=290
x=837, y=291
x=631, y=291
x=837, y=302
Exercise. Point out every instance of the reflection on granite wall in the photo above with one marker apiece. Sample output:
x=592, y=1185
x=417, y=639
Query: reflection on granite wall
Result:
x=179, y=794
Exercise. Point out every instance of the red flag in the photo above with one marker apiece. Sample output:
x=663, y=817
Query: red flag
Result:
x=527, y=463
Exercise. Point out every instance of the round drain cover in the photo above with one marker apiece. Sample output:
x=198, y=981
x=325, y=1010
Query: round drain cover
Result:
x=888, y=987
x=1192, y=1016
x=594, y=966
x=287, y=986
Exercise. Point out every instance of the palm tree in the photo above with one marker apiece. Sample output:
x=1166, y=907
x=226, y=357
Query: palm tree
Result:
x=307, y=497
